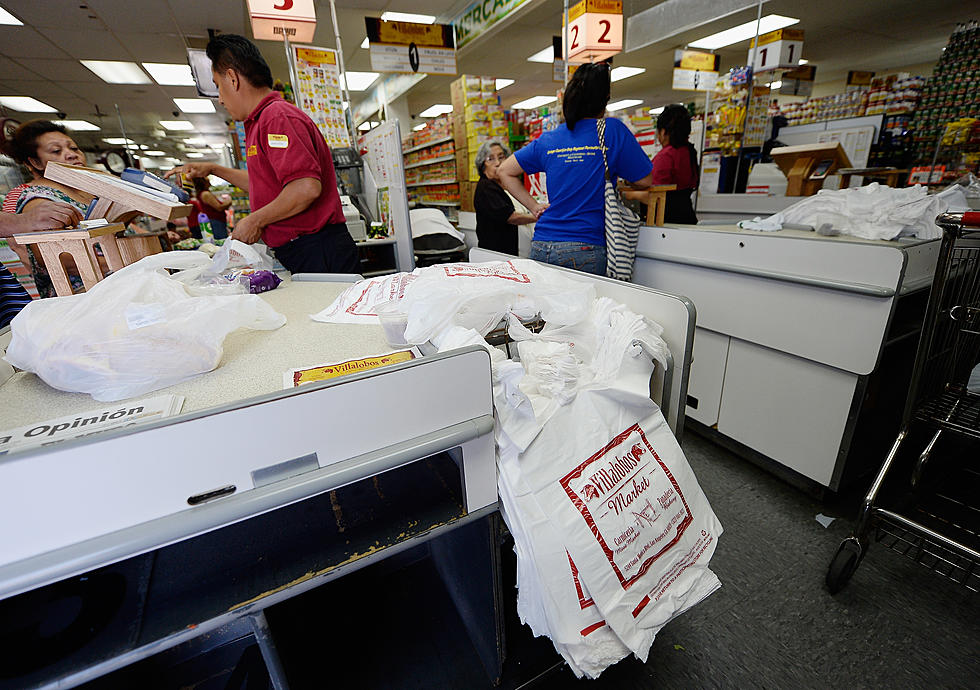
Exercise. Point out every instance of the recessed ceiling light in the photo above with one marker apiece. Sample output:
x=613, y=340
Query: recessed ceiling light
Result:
x=195, y=154
x=154, y=153
x=657, y=111
x=743, y=32
x=418, y=128
x=79, y=125
x=194, y=105
x=115, y=72
x=365, y=43
x=503, y=83
x=775, y=84
x=9, y=19
x=195, y=142
x=407, y=17
x=26, y=104
x=176, y=125
x=545, y=55
x=618, y=73
x=625, y=103
x=118, y=141
x=436, y=110
x=534, y=102
x=359, y=81
x=803, y=61
x=170, y=74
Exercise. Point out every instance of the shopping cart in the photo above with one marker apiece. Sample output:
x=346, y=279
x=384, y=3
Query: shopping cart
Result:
x=932, y=498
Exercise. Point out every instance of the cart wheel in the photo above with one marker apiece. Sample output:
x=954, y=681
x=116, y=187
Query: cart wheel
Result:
x=844, y=564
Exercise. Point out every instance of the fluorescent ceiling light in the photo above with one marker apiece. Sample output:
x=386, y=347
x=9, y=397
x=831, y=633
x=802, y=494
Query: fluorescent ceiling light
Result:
x=194, y=105
x=803, y=61
x=503, y=83
x=9, y=19
x=195, y=142
x=115, y=72
x=546, y=55
x=365, y=43
x=171, y=161
x=26, y=104
x=176, y=125
x=626, y=103
x=657, y=111
x=118, y=141
x=408, y=17
x=436, y=110
x=534, y=102
x=618, y=73
x=359, y=81
x=743, y=32
x=79, y=125
x=775, y=84
x=418, y=128
x=150, y=163
x=170, y=74
x=195, y=154
x=154, y=153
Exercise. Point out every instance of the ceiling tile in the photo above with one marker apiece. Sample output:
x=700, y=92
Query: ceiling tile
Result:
x=62, y=70
x=39, y=13
x=163, y=47
x=125, y=16
x=14, y=69
x=25, y=42
x=88, y=44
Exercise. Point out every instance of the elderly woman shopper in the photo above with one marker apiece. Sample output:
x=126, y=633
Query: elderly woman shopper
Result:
x=571, y=231
x=496, y=219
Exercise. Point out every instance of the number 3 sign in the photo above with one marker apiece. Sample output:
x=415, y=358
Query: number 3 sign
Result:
x=778, y=49
x=595, y=30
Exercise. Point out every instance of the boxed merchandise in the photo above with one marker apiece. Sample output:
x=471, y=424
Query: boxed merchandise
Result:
x=488, y=84
x=475, y=111
x=466, y=190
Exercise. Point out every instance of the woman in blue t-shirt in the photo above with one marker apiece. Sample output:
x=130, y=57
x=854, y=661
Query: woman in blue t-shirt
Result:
x=570, y=230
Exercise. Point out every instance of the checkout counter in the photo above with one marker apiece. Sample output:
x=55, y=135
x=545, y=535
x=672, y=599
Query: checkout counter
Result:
x=804, y=343
x=123, y=545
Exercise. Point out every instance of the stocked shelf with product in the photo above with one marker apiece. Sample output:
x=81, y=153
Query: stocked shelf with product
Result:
x=477, y=117
x=430, y=167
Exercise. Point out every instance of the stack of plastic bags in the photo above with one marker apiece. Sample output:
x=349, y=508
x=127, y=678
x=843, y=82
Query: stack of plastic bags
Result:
x=612, y=532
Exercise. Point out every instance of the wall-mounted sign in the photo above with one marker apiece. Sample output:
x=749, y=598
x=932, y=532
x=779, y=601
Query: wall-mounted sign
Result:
x=780, y=49
x=595, y=30
x=480, y=16
x=272, y=20
x=409, y=48
x=318, y=93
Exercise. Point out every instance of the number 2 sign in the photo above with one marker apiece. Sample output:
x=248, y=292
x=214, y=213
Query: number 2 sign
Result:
x=595, y=30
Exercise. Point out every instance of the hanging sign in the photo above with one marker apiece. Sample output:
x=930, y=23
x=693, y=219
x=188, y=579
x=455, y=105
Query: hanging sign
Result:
x=859, y=81
x=318, y=93
x=780, y=49
x=409, y=48
x=798, y=82
x=272, y=20
x=595, y=30
x=480, y=16
x=695, y=70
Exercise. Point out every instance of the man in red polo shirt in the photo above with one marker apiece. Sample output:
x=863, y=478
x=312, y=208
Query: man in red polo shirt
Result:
x=291, y=182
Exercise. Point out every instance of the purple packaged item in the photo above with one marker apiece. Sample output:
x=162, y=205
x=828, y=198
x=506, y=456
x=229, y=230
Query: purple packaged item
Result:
x=262, y=281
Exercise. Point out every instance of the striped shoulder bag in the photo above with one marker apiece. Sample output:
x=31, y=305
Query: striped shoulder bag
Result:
x=622, y=225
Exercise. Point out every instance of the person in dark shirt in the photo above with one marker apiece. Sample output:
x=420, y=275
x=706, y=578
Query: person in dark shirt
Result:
x=676, y=163
x=496, y=219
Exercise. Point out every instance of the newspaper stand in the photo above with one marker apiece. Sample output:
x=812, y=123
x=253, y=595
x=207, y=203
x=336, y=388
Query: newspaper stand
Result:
x=932, y=498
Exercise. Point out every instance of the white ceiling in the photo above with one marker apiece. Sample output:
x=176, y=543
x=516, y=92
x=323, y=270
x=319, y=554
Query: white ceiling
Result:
x=41, y=58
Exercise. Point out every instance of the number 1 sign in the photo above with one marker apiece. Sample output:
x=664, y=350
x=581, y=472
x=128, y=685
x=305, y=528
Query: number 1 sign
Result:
x=595, y=30
x=778, y=49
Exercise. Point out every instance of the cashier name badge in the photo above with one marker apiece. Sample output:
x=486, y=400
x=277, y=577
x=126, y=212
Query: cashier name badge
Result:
x=278, y=141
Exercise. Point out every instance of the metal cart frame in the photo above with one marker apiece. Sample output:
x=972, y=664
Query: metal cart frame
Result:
x=938, y=528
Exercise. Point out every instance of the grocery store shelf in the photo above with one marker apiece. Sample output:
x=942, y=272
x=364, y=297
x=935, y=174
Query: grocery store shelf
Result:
x=427, y=184
x=440, y=159
x=425, y=146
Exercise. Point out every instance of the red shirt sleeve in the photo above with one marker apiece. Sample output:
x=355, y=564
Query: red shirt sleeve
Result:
x=289, y=147
x=663, y=168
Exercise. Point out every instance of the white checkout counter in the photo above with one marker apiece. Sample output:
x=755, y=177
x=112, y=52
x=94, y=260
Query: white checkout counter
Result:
x=199, y=522
x=804, y=343
x=713, y=209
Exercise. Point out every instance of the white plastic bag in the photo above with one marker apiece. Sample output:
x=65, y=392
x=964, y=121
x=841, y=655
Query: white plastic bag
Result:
x=136, y=331
x=216, y=277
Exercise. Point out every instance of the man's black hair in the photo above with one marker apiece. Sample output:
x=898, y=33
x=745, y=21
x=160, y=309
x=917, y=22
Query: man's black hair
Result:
x=230, y=51
x=587, y=93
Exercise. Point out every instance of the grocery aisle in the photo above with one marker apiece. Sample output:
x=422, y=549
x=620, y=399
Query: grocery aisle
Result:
x=773, y=625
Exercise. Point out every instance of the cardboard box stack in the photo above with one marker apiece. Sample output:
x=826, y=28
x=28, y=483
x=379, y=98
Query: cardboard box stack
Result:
x=477, y=117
